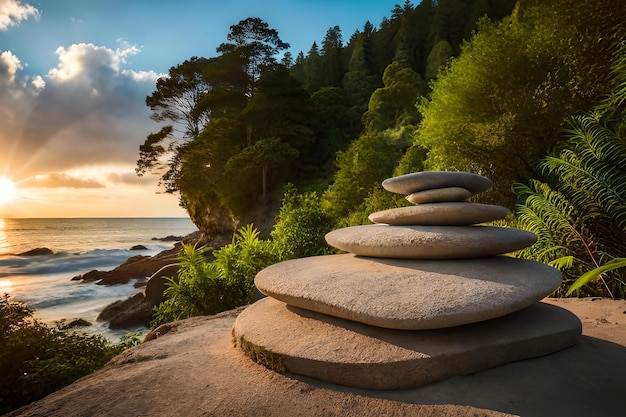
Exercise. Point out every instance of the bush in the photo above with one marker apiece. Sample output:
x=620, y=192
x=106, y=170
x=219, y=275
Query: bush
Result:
x=36, y=359
x=301, y=226
x=206, y=287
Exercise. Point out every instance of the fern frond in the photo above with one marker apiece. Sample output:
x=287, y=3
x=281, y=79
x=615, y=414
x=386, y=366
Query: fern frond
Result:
x=596, y=273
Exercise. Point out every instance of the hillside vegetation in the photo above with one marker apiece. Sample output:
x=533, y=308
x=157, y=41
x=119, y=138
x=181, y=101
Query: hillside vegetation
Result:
x=505, y=89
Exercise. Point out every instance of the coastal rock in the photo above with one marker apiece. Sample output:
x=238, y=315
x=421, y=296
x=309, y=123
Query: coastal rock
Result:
x=93, y=275
x=429, y=242
x=128, y=314
x=77, y=323
x=36, y=252
x=426, y=180
x=439, y=195
x=357, y=355
x=139, y=267
x=449, y=213
x=156, y=284
x=409, y=294
x=138, y=247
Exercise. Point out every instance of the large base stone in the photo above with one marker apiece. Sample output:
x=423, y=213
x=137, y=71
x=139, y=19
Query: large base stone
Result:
x=409, y=294
x=340, y=351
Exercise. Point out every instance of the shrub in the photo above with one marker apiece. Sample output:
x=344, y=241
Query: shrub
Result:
x=36, y=359
x=301, y=226
x=206, y=287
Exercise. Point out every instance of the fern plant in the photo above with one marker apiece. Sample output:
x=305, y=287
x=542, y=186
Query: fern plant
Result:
x=579, y=213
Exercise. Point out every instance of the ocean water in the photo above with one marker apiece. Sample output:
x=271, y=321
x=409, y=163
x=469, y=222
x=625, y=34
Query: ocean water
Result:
x=45, y=283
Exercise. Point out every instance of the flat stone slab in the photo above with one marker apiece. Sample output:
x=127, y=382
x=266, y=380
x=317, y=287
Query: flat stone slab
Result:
x=409, y=294
x=357, y=355
x=427, y=180
x=439, y=194
x=429, y=242
x=443, y=214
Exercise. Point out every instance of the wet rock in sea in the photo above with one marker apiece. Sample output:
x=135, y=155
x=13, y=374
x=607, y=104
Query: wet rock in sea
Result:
x=77, y=323
x=37, y=252
x=138, y=247
x=410, y=304
x=128, y=314
x=93, y=275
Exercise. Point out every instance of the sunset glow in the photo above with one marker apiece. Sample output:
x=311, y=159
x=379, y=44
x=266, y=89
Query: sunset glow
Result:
x=7, y=191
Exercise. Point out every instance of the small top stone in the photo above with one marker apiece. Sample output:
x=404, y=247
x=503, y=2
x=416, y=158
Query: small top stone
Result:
x=428, y=180
x=439, y=195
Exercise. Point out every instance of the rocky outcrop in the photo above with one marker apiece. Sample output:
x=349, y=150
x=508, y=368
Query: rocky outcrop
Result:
x=193, y=370
x=128, y=314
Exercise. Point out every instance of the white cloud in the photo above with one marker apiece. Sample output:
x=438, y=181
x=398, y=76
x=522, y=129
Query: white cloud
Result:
x=38, y=82
x=143, y=76
x=13, y=12
x=9, y=65
x=86, y=60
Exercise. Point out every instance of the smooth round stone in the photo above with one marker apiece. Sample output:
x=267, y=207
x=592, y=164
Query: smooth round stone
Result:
x=409, y=294
x=288, y=339
x=437, y=195
x=427, y=180
x=429, y=242
x=446, y=214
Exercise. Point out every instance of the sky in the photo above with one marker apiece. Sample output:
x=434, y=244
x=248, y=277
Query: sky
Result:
x=74, y=75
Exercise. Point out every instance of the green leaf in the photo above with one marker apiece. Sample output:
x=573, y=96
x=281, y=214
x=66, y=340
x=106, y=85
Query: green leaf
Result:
x=594, y=274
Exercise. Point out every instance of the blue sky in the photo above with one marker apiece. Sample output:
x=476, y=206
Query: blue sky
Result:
x=74, y=75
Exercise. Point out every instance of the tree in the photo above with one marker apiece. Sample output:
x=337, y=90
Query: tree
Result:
x=266, y=153
x=174, y=101
x=313, y=74
x=257, y=43
x=394, y=104
x=438, y=56
x=332, y=45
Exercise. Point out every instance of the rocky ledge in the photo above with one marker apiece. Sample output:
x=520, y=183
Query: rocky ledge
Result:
x=193, y=369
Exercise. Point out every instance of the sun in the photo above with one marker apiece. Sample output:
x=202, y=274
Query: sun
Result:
x=7, y=191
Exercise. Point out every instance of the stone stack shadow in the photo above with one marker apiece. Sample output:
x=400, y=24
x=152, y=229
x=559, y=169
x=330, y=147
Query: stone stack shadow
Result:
x=423, y=294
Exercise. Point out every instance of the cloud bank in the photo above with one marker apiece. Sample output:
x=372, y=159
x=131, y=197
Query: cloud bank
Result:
x=13, y=12
x=86, y=111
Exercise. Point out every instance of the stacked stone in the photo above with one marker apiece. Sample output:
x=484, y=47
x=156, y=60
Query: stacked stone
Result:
x=423, y=294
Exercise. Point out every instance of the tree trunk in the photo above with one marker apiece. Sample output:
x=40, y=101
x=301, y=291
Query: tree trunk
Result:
x=265, y=183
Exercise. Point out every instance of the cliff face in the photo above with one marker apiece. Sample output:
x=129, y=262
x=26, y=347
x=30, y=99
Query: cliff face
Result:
x=191, y=368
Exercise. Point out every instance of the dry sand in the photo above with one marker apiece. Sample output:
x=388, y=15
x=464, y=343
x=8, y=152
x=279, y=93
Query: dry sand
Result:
x=194, y=370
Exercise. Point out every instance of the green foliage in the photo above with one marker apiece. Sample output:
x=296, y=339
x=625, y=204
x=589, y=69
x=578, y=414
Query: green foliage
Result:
x=499, y=107
x=301, y=226
x=205, y=287
x=36, y=359
x=368, y=161
x=394, y=104
x=594, y=274
x=579, y=214
x=377, y=200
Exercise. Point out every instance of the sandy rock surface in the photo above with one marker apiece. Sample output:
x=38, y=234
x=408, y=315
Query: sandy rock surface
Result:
x=194, y=370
